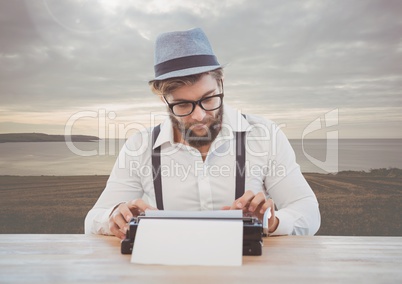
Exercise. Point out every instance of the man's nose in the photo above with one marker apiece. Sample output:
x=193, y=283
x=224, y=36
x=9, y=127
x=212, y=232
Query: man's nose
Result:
x=198, y=113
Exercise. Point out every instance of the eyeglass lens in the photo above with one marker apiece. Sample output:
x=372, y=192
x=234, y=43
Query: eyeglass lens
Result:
x=209, y=103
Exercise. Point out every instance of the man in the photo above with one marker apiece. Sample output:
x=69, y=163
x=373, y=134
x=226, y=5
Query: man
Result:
x=206, y=156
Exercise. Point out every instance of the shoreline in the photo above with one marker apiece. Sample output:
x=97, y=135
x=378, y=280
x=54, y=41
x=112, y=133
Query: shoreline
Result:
x=43, y=137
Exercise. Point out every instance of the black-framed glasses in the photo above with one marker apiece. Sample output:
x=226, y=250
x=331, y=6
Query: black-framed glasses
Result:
x=184, y=108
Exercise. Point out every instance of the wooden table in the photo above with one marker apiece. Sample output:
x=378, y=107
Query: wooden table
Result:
x=288, y=259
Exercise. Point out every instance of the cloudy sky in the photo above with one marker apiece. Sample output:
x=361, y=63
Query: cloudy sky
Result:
x=86, y=63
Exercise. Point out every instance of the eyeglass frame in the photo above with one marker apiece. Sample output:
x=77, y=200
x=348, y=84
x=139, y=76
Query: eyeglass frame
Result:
x=195, y=103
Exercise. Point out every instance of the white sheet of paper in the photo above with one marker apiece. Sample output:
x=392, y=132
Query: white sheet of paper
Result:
x=195, y=214
x=190, y=241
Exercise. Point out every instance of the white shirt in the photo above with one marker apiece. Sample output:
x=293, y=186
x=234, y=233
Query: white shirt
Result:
x=189, y=183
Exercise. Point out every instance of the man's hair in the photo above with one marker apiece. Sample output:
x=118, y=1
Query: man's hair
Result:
x=164, y=87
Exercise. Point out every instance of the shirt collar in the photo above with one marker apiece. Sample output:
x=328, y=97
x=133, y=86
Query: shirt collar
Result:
x=232, y=121
x=166, y=134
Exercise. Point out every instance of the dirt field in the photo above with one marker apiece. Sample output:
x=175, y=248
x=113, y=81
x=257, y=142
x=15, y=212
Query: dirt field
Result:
x=350, y=204
x=358, y=205
x=47, y=204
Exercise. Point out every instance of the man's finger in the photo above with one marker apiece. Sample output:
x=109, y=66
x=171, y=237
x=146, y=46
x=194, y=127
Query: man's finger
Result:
x=119, y=220
x=140, y=205
x=116, y=231
x=267, y=204
x=243, y=201
x=125, y=212
x=257, y=201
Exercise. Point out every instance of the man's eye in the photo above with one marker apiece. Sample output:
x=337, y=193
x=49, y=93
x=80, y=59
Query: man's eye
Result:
x=183, y=106
x=208, y=100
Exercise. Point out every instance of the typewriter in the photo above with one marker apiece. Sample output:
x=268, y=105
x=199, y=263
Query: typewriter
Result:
x=252, y=234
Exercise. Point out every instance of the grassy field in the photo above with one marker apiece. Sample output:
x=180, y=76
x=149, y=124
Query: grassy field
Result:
x=351, y=203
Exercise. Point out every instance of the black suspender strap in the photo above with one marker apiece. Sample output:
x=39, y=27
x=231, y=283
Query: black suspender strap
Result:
x=156, y=168
x=240, y=165
x=240, y=162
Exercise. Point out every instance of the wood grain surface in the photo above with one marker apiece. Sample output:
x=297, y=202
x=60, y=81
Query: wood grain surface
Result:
x=288, y=259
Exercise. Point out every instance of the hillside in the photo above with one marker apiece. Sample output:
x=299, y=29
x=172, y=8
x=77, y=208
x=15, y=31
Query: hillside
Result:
x=42, y=137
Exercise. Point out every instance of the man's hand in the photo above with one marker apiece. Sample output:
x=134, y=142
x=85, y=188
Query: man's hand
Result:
x=123, y=213
x=256, y=204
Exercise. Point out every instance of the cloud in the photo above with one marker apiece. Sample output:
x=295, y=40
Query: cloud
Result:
x=293, y=55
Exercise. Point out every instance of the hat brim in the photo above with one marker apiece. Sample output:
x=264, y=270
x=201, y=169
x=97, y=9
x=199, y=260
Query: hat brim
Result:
x=187, y=72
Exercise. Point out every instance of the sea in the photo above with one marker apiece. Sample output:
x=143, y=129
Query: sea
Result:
x=98, y=157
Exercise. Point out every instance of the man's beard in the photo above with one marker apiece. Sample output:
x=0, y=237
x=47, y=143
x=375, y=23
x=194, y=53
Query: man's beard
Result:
x=191, y=137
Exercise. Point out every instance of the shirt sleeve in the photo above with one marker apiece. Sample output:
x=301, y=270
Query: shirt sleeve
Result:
x=298, y=210
x=124, y=184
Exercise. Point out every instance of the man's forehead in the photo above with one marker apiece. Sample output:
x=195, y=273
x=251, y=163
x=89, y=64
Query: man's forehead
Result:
x=201, y=88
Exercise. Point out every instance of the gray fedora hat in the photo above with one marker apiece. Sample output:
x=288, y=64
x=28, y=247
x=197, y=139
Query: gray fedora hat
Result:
x=183, y=53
